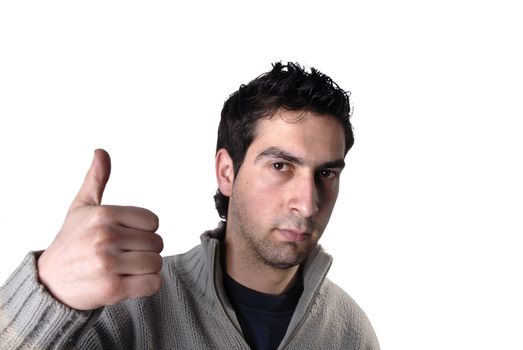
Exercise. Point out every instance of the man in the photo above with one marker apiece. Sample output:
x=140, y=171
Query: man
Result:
x=257, y=281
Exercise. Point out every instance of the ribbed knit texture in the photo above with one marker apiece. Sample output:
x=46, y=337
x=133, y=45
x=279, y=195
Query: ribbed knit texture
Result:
x=191, y=311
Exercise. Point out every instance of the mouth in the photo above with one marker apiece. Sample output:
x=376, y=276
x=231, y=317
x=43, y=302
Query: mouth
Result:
x=294, y=235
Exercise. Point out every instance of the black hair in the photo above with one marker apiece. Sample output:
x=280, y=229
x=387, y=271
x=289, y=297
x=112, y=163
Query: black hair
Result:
x=288, y=86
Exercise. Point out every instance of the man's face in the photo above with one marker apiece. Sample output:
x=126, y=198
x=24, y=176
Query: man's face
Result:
x=286, y=187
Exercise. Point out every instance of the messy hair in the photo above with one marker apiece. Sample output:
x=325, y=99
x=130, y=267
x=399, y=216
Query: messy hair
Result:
x=287, y=86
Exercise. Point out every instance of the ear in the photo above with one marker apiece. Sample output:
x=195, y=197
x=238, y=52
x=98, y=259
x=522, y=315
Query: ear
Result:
x=224, y=171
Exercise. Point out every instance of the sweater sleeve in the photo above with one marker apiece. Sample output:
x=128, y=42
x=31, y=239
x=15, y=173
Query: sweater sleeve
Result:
x=31, y=318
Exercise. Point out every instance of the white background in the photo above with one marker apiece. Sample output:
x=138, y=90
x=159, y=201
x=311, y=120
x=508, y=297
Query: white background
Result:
x=426, y=231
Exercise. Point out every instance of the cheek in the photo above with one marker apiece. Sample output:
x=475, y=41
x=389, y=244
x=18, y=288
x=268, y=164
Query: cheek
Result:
x=265, y=199
x=264, y=183
x=328, y=200
x=260, y=195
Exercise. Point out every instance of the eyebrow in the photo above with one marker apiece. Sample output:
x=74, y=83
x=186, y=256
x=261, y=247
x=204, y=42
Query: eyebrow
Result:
x=275, y=152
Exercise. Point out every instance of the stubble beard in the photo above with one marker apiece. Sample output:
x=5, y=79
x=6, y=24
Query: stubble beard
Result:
x=279, y=255
x=264, y=248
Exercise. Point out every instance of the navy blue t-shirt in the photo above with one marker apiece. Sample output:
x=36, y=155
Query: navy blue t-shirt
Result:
x=264, y=318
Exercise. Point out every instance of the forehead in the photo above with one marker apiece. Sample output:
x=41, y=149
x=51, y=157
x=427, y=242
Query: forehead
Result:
x=317, y=137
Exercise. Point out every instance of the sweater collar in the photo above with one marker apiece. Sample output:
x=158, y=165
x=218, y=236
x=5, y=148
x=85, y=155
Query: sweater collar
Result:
x=314, y=268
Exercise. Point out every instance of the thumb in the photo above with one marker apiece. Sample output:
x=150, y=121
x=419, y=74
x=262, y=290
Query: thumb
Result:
x=94, y=183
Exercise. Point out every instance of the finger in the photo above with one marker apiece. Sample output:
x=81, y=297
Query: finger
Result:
x=95, y=180
x=132, y=217
x=138, y=263
x=138, y=240
x=141, y=285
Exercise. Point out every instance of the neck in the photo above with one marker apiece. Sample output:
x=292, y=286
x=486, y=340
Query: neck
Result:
x=255, y=274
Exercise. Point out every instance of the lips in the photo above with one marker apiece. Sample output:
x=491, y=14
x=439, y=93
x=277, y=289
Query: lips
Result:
x=294, y=235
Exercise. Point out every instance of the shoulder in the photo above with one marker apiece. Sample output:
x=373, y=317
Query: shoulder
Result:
x=192, y=255
x=342, y=309
x=336, y=296
x=180, y=298
x=183, y=266
x=191, y=273
x=341, y=304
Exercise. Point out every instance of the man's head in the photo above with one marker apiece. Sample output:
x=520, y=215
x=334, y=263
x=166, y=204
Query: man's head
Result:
x=288, y=87
x=281, y=147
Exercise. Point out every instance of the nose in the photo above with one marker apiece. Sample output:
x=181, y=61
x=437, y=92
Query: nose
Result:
x=305, y=198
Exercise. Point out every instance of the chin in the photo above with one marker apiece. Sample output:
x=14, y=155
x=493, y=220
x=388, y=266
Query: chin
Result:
x=287, y=257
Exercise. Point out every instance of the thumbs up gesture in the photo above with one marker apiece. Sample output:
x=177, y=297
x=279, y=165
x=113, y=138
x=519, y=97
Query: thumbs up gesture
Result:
x=103, y=254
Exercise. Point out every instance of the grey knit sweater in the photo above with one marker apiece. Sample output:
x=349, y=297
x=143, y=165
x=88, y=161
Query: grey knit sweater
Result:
x=191, y=311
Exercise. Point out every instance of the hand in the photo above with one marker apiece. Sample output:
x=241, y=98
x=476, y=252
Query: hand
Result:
x=103, y=254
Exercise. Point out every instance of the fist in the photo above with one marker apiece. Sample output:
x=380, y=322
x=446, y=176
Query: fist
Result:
x=103, y=254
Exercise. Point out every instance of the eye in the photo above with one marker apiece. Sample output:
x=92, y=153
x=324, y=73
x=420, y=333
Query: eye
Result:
x=280, y=166
x=328, y=174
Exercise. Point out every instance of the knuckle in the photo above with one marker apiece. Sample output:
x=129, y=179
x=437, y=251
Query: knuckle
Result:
x=151, y=218
x=154, y=220
x=146, y=286
x=158, y=242
x=154, y=284
x=101, y=214
x=103, y=264
x=111, y=291
x=104, y=238
x=157, y=263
